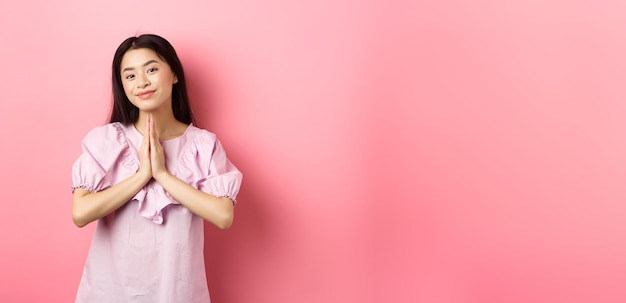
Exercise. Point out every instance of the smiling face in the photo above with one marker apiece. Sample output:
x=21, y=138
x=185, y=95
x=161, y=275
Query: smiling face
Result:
x=147, y=80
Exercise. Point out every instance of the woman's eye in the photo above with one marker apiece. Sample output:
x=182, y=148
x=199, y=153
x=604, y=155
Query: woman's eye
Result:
x=129, y=76
x=152, y=69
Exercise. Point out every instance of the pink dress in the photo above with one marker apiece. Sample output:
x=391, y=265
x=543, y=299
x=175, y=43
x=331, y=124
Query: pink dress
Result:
x=150, y=249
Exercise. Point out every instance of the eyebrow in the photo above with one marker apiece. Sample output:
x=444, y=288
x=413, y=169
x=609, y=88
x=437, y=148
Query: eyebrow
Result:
x=145, y=64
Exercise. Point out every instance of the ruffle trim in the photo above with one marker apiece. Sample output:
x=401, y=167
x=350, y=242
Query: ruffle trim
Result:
x=187, y=169
x=225, y=184
x=85, y=187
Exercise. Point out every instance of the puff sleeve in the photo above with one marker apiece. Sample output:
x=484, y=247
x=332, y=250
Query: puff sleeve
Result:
x=103, y=150
x=88, y=174
x=206, y=167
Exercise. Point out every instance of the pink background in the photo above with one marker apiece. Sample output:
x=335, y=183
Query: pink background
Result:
x=392, y=151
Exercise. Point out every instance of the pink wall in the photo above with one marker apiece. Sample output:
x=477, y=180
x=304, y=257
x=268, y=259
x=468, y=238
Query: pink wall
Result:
x=392, y=151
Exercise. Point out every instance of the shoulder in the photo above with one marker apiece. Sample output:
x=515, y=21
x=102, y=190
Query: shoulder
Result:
x=104, y=135
x=108, y=146
x=107, y=130
x=201, y=136
x=204, y=153
x=202, y=144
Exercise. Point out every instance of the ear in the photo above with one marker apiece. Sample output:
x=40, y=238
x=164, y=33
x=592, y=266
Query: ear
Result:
x=175, y=79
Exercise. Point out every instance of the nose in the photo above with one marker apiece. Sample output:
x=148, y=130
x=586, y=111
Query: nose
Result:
x=143, y=82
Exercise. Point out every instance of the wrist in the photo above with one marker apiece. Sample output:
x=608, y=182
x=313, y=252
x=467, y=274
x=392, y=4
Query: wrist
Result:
x=161, y=176
x=144, y=176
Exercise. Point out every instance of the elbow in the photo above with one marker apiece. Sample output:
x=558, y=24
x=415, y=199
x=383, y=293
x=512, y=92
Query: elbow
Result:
x=78, y=218
x=78, y=221
x=79, y=213
x=225, y=221
x=224, y=226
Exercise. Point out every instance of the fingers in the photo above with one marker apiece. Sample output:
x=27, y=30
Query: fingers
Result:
x=145, y=166
x=153, y=136
x=148, y=124
x=145, y=143
x=148, y=136
x=155, y=145
x=150, y=129
x=157, y=156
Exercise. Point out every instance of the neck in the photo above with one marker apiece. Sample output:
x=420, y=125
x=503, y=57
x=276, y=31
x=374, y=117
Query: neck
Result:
x=164, y=123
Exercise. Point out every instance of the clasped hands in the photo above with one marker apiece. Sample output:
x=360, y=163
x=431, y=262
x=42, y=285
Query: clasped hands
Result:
x=151, y=154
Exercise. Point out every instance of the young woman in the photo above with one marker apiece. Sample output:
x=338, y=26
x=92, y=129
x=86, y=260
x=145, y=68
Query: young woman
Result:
x=150, y=178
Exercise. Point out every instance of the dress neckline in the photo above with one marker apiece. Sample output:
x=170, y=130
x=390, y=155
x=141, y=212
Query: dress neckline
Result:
x=136, y=131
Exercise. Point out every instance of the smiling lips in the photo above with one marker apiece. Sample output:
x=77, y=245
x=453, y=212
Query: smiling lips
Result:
x=146, y=94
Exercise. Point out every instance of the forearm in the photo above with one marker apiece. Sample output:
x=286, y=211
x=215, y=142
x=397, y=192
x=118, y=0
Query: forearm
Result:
x=217, y=210
x=88, y=207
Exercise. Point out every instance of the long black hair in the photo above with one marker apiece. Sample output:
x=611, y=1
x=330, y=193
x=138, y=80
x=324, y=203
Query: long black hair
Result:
x=125, y=112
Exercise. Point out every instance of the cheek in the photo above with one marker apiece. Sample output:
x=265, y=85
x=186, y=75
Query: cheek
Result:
x=127, y=88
